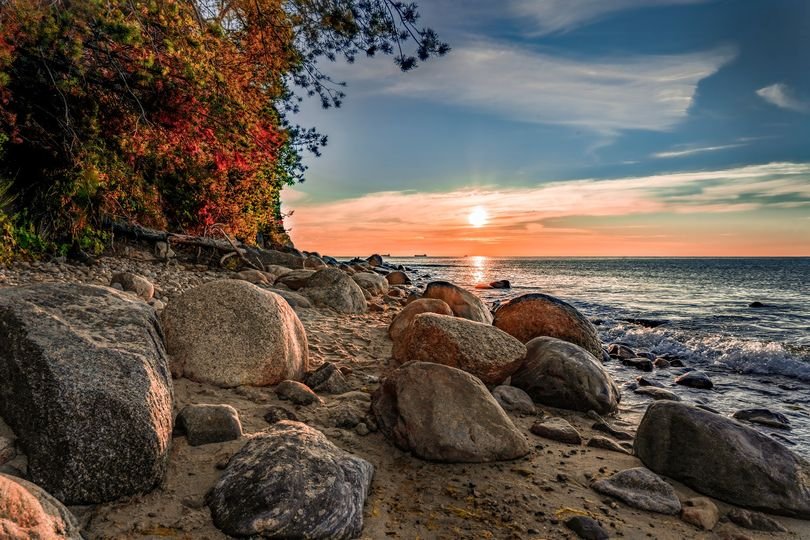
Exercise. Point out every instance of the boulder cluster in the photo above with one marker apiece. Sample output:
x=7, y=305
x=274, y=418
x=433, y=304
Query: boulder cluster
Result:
x=86, y=384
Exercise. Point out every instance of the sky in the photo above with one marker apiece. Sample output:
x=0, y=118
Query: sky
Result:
x=572, y=128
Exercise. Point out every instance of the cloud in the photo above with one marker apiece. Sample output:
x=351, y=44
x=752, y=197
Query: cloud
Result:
x=648, y=92
x=555, y=16
x=782, y=96
x=695, y=150
x=539, y=213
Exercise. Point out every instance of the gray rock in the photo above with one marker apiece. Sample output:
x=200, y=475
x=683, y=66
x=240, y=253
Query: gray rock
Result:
x=294, y=299
x=480, y=349
x=404, y=318
x=231, y=333
x=297, y=392
x=276, y=414
x=514, y=399
x=556, y=429
x=27, y=512
x=463, y=303
x=270, y=257
x=8, y=451
x=291, y=482
x=765, y=417
x=621, y=351
x=642, y=489
x=643, y=364
x=163, y=251
x=205, y=424
x=332, y=288
x=135, y=284
x=657, y=393
x=398, y=278
x=327, y=379
x=722, y=458
x=695, y=379
x=754, y=521
x=561, y=374
x=603, y=426
x=534, y=315
x=257, y=277
x=587, y=528
x=375, y=260
x=374, y=284
x=605, y=443
x=444, y=414
x=85, y=385
x=296, y=279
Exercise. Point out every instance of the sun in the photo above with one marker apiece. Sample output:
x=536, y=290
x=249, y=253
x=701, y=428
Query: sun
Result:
x=478, y=216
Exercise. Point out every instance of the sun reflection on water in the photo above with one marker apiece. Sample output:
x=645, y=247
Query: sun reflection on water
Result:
x=479, y=267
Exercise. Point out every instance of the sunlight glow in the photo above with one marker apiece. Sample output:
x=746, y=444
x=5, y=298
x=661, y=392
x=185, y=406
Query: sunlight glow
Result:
x=478, y=217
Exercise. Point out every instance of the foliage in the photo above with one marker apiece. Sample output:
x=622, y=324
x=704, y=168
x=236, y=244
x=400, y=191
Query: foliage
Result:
x=171, y=113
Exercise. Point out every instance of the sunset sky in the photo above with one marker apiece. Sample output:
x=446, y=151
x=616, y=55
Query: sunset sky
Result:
x=572, y=127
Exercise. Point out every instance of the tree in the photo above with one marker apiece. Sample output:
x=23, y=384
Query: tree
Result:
x=175, y=113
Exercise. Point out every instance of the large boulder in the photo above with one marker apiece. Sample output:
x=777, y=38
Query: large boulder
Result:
x=444, y=414
x=722, y=458
x=398, y=277
x=477, y=348
x=86, y=387
x=561, y=374
x=27, y=512
x=534, y=315
x=374, y=283
x=291, y=482
x=463, y=303
x=232, y=333
x=404, y=318
x=333, y=288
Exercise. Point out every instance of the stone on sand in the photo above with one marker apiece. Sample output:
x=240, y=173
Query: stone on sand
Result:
x=205, y=423
x=700, y=512
x=556, y=429
x=642, y=489
x=514, y=400
x=297, y=392
x=138, y=285
x=333, y=288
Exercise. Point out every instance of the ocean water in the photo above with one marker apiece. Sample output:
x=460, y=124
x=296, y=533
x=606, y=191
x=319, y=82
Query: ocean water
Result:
x=757, y=357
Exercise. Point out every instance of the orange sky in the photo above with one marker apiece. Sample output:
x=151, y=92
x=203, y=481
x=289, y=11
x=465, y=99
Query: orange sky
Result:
x=747, y=211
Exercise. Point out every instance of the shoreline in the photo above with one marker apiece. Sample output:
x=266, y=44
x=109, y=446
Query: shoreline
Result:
x=529, y=497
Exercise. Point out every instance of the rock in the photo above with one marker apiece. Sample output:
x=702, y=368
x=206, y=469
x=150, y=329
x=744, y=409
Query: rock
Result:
x=205, y=424
x=606, y=444
x=271, y=257
x=766, y=417
x=603, y=426
x=375, y=284
x=85, y=386
x=700, y=512
x=404, y=318
x=375, y=260
x=463, y=303
x=695, y=379
x=756, y=305
x=7, y=450
x=621, y=351
x=643, y=364
x=722, y=458
x=27, y=512
x=298, y=393
x=533, y=315
x=257, y=277
x=514, y=399
x=556, y=429
x=477, y=348
x=138, y=285
x=291, y=482
x=230, y=333
x=657, y=393
x=277, y=414
x=315, y=262
x=561, y=374
x=642, y=489
x=277, y=270
x=398, y=278
x=444, y=414
x=754, y=521
x=328, y=379
x=501, y=284
x=332, y=288
x=662, y=363
x=293, y=298
x=295, y=279
x=644, y=381
x=163, y=251
x=587, y=528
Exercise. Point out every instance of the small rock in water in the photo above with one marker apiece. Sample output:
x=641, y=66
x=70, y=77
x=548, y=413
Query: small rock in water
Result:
x=700, y=512
x=501, y=284
x=606, y=444
x=297, y=392
x=754, y=521
x=587, y=528
x=205, y=424
x=556, y=429
x=756, y=305
x=662, y=363
x=695, y=379
x=644, y=381
x=643, y=364
x=657, y=393
x=277, y=414
x=766, y=417
x=620, y=350
x=641, y=488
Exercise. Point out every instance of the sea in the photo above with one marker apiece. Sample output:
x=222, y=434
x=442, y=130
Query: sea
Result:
x=694, y=308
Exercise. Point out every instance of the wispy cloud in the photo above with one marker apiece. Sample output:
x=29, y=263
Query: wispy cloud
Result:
x=694, y=150
x=782, y=96
x=530, y=214
x=553, y=16
x=649, y=92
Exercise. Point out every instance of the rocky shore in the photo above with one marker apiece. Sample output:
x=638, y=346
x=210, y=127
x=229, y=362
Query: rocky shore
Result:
x=149, y=396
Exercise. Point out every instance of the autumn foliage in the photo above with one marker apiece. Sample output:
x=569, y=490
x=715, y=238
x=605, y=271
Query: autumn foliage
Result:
x=170, y=113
